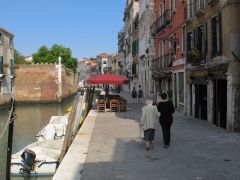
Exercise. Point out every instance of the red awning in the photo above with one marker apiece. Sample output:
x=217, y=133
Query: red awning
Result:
x=107, y=78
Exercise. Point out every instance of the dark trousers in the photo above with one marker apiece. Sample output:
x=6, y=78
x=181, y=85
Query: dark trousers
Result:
x=166, y=126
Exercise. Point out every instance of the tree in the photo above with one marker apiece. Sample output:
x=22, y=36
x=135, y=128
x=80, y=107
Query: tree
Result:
x=45, y=55
x=19, y=58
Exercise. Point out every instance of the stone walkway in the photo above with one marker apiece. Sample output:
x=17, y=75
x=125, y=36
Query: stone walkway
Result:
x=198, y=151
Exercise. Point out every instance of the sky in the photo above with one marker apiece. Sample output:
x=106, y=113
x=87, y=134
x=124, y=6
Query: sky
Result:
x=87, y=27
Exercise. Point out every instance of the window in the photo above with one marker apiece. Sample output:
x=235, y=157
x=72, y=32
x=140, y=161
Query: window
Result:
x=135, y=46
x=198, y=39
x=1, y=65
x=216, y=35
x=173, y=4
x=11, y=42
x=11, y=67
x=12, y=84
x=190, y=9
x=200, y=4
x=172, y=7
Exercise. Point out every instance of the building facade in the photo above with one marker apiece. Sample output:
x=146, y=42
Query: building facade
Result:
x=7, y=77
x=168, y=32
x=103, y=63
x=146, y=46
x=131, y=19
x=213, y=66
x=87, y=67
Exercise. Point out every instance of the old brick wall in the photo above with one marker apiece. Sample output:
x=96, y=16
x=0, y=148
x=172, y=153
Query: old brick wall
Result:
x=39, y=83
x=69, y=81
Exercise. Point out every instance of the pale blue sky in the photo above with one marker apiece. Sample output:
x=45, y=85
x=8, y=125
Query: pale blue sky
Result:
x=88, y=27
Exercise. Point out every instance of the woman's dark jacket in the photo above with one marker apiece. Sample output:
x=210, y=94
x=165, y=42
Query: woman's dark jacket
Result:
x=166, y=110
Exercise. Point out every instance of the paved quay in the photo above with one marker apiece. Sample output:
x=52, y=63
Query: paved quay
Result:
x=198, y=151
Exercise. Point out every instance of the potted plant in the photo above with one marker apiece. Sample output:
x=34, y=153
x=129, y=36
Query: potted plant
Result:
x=194, y=55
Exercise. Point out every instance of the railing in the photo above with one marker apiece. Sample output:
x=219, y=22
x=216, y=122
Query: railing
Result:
x=161, y=22
x=162, y=62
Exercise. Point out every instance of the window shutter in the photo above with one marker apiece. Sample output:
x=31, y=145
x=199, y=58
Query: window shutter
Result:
x=1, y=64
x=189, y=41
x=213, y=36
x=206, y=38
x=220, y=33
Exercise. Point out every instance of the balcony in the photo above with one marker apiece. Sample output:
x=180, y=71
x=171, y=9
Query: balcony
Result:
x=162, y=63
x=161, y=22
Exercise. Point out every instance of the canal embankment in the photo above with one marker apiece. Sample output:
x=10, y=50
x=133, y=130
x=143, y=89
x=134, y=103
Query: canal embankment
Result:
x=30, y=119
x=198, y=150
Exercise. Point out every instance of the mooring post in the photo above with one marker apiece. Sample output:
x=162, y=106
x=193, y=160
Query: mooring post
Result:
x=12, y=117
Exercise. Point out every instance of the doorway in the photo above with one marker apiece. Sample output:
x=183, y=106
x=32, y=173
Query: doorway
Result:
x=201, y=101
x=220, y=103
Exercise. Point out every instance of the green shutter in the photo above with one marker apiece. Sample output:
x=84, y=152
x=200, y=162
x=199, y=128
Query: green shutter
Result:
x=213, y=36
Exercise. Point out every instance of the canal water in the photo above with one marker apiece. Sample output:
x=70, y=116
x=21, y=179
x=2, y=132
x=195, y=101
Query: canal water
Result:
x=30, y=119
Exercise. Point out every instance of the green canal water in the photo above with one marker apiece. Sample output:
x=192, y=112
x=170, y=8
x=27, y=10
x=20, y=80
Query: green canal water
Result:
x=30, y=119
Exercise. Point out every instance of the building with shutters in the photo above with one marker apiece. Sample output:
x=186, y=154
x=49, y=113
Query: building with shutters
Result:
x=168, y=32
x=146, y=47
x=6, y=66
x=213, y=65
x=131, y=42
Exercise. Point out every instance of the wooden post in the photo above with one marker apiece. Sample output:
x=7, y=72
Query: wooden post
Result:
x=12, y=117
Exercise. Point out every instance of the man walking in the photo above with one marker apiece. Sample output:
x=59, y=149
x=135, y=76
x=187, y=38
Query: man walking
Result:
x=166, y=109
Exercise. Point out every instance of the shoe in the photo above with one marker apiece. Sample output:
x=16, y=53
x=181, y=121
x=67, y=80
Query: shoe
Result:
x=151, y=146
x=147, y=148
x=165, y=146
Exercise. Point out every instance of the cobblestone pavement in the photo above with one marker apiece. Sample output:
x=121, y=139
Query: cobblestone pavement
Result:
x=198, y=151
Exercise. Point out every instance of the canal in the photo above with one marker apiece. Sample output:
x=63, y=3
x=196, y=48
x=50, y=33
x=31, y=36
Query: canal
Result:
x=30, y=119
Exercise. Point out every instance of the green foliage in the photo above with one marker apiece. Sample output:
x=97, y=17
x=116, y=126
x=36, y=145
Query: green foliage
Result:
x=19, y=58
x=45, y=55
x=194, y=54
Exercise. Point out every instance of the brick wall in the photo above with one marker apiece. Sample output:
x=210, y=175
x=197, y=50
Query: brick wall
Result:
x=40, y=83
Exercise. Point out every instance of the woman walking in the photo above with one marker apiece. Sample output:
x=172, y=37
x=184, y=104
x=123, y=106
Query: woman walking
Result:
x=149, y=118
x=166, y=110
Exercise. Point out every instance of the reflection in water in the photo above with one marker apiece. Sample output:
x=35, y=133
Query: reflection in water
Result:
x=30, y=119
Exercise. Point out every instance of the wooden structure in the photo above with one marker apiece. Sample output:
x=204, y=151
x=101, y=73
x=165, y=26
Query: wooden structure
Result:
x=101, y=105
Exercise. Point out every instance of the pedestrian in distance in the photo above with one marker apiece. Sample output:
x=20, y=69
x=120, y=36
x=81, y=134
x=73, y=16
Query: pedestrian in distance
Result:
x=134, y=95
x=148, y=122
x=166, y=109
x=140, y=94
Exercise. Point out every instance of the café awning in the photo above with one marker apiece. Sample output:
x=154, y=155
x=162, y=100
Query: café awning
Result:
x=107, y=78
